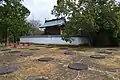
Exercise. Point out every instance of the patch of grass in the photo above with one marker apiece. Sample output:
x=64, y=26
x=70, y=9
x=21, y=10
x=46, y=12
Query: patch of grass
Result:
x=30, y=65
x=2, y=46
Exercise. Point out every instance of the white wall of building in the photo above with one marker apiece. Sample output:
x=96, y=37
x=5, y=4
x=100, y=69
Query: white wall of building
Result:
x=53, y=40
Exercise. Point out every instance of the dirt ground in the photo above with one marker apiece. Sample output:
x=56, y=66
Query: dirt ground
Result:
x=99, y=69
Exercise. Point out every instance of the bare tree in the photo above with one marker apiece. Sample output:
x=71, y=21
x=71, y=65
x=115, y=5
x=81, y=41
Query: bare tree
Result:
x=35, y=23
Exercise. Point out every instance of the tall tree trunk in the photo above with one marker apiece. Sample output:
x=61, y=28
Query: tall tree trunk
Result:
x=14, y=36
x=6, y=32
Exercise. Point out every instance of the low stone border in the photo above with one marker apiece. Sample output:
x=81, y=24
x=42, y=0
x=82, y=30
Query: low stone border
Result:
x=15, y=52
x=35, y=49
x=46, y=59
x=36, y=78
x=69, y=52
x=10, y=68
x=63, y=48
x=22, y=54
x=78, y=66
x=5, y=49
x=97, y=56
x=104, y=52
x=49, y=47
x=110, y=49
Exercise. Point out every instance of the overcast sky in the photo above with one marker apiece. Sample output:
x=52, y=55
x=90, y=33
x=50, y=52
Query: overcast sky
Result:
x=40, y=9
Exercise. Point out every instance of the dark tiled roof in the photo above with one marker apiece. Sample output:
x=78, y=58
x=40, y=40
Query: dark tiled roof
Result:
x=54, y=22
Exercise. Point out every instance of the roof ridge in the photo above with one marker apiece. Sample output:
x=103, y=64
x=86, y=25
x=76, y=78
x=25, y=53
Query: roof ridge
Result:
x=55, y=19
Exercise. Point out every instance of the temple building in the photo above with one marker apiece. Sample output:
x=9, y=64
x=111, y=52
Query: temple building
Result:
x=54, y=26
x=52, y=34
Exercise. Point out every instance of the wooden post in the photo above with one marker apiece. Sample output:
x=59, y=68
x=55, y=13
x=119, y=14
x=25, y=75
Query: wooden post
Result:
x=10, y=44
x=18, y=43
x=6, y=44
x=23, y=44
x=29, y=44
x=15, y=46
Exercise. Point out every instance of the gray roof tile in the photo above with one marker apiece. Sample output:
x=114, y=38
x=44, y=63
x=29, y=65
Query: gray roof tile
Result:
x=54, y=22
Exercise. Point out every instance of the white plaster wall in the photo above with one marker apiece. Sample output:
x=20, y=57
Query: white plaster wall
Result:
x=54, y=40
